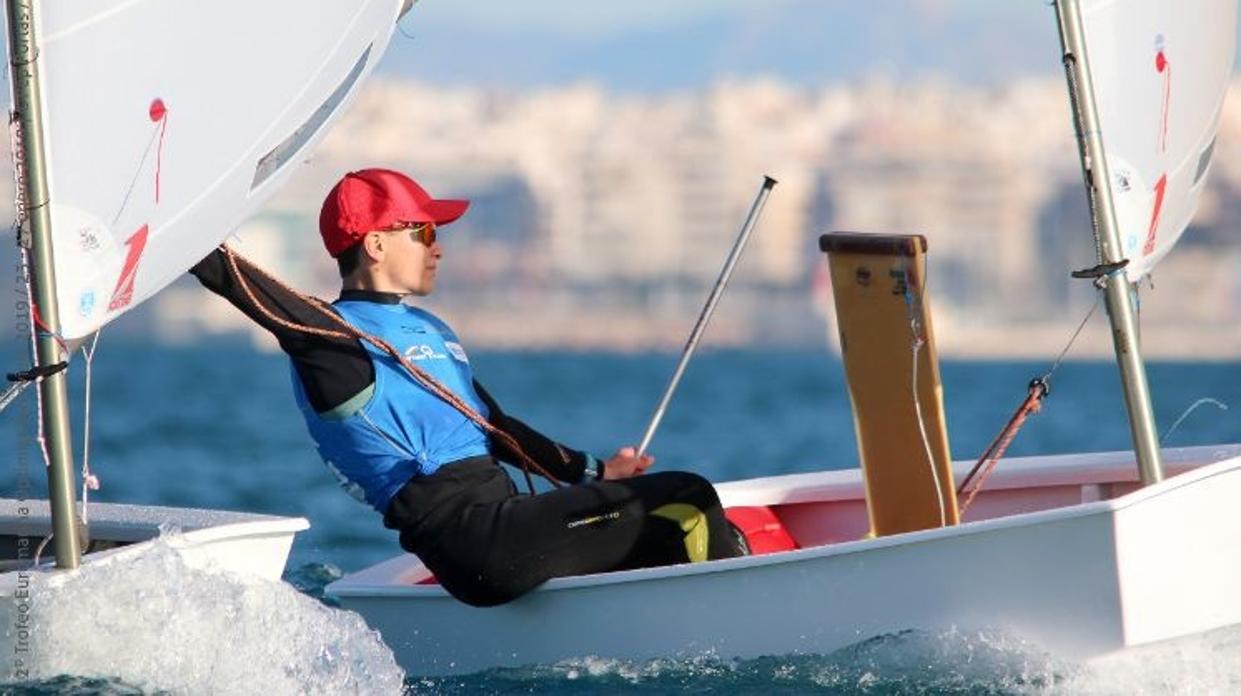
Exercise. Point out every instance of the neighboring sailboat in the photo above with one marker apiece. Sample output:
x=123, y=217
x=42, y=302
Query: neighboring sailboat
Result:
x=1083, y=554
x=147, y=132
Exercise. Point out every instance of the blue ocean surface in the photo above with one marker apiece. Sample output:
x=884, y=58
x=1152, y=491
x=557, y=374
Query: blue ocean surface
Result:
x=214, y=425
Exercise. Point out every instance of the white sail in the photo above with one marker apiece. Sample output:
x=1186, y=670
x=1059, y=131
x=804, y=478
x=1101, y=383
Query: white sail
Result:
x=1160, y=70
x=168, y=123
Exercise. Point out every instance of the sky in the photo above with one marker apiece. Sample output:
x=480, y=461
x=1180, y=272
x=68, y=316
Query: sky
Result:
x=660, y=45
x=570, y=16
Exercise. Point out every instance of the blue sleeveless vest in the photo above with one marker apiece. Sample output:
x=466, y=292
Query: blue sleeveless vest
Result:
x=395, y=430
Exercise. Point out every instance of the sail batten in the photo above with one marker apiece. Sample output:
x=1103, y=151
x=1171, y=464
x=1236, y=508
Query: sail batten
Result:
x=1161, y=71
x=155, y=149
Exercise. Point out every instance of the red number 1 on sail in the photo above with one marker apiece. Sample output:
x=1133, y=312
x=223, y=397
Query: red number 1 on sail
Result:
x=123, y=294
x=1161, y=187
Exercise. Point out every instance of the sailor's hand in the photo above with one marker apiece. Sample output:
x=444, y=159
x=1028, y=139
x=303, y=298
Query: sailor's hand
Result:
x=626, y=463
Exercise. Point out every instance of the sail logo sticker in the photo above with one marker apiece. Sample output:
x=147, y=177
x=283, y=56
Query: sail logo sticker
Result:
x=87, y=239
x=86, y=303
x=123, y=294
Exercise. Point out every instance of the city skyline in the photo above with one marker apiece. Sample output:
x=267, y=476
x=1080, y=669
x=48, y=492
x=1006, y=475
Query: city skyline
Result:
x=605, y=216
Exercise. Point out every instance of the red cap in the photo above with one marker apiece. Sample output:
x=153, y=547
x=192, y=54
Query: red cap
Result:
x=377, y=199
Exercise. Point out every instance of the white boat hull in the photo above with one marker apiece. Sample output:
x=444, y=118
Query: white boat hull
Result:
x=233, y=542
x=1065, y=552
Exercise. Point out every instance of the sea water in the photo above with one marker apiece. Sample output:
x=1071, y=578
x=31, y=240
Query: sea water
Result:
x=214, y=425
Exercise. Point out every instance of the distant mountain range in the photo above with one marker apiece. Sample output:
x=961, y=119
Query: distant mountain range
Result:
x=808, y=42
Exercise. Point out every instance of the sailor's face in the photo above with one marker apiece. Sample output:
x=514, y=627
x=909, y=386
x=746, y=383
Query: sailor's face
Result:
x=412, y=258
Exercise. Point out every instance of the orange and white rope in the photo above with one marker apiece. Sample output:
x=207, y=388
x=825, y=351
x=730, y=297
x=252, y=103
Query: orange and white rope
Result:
x=348, y=331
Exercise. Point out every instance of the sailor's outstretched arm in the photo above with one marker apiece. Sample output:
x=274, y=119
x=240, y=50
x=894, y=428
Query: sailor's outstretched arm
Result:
x=565, y=463
x=331, y=369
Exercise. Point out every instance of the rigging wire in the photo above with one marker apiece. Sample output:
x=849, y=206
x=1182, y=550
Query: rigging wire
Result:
x=25, y=378
x=1072, y=339
x=89, y=481
x=40, y=434
x=23, y=244
x=1038, y=389
x=10, y=395
x=19, y=210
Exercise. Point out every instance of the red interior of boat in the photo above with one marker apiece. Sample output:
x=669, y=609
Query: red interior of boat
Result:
x=763, y=530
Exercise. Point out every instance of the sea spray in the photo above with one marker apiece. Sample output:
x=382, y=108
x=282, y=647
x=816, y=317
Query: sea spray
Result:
x=154, y=622
x=906, y=662
x=1205, y=663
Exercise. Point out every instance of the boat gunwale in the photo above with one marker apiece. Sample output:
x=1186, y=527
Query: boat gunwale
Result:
x=1016, y=473
x=359, y=585
x=130, y=522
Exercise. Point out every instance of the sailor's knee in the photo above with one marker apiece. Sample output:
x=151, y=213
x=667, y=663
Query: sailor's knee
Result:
x=691, y=488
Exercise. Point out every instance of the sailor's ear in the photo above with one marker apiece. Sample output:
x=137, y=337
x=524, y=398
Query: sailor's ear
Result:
x=373, y=245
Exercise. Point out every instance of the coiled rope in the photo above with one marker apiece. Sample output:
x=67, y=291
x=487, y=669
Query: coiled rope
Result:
x=350, y=332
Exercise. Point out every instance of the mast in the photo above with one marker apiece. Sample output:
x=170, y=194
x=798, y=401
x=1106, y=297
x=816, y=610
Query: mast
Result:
x=23, y=57
x=1118, y=294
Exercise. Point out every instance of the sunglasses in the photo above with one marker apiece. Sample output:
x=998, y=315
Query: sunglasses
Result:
x=423, y=232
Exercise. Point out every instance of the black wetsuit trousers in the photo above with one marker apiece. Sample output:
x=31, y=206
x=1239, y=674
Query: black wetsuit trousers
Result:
x=487, y=544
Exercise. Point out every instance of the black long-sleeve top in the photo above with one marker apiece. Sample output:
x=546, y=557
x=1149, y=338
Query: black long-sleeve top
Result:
x=334, y=369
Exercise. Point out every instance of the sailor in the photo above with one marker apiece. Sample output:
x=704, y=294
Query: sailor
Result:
x=389, y=397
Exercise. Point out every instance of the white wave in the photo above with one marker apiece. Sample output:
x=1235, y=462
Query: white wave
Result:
x=905, y=662
x=923, y=662
x=1207, y=663
x=158, y=624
